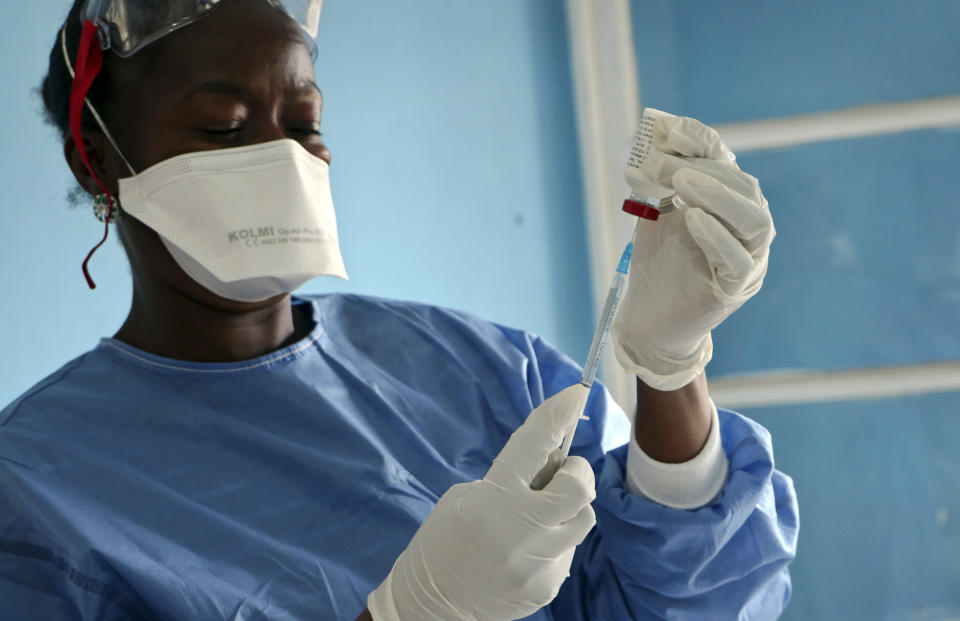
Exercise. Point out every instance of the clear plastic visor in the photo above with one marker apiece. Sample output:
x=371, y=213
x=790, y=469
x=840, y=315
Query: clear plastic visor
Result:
x=126, y=26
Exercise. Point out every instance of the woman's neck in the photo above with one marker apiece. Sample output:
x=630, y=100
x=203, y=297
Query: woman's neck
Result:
x=186, y=329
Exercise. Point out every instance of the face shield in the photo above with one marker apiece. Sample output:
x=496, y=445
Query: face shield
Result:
x=127, y=26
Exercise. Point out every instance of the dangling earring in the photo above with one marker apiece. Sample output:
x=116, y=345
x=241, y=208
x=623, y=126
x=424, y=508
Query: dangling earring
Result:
x=101, y=208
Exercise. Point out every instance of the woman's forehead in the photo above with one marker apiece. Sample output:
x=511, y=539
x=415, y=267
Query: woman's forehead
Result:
x=237, y=38
x=240, y=89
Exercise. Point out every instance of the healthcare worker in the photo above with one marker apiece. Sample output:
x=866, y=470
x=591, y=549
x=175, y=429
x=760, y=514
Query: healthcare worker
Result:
x=235, y=452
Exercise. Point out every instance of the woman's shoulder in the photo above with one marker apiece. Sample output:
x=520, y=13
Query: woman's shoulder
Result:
x=357, y=307
x=363, y=316
x=52, y=386
x=369, y=321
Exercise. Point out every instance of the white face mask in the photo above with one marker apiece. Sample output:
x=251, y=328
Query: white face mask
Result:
x=247, y=223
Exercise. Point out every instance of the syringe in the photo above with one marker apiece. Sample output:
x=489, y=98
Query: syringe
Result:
x=646, y=201
x=609, y=311
x=603, y=329
x=607, y=314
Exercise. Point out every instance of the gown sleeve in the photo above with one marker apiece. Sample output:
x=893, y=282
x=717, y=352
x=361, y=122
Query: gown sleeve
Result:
x=643, y=560
x=35, y=583
x=38, y=580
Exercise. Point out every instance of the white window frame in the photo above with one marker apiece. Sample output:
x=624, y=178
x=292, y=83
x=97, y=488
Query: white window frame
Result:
x=608, y=104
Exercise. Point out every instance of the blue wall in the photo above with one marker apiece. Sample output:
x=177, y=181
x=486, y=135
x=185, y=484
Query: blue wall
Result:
x=865, y=271
x=455, y=177
x=865, y=268
x=879, y=507
x=746, y=59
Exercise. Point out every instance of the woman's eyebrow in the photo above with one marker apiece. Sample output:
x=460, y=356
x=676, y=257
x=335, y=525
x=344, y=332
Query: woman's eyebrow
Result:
x=309, y=87
x=221, y=87
x=218, y=87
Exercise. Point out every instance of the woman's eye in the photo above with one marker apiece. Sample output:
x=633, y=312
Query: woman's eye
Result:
x=222, y=130
x=307, y=130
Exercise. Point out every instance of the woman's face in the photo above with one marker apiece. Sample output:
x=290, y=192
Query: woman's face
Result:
x=239, y=76
x=242, y=75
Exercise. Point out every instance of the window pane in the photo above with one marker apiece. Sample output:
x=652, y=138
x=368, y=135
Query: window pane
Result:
x=865, y=269
x=879, y=506
x=742, y=60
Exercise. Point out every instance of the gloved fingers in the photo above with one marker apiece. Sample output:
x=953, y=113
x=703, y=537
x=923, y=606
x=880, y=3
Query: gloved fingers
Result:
x=549, y=469
x=527, y=450
x=457, y=493
x=459, y=499
x=682, y=135
x=570, y=489
x=733, y=267
x=550, y=540
x=748, y=220
x=577, y=528
x=661, y=168
x=541, y=587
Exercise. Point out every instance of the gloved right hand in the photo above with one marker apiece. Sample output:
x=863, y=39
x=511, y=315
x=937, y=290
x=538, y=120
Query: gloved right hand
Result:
x=497, y=549
x=692, y=268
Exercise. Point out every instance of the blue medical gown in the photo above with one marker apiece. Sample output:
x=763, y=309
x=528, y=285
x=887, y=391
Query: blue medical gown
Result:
x=139, y=487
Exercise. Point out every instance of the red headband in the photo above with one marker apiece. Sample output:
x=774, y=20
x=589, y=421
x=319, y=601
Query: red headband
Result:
x=88, y=66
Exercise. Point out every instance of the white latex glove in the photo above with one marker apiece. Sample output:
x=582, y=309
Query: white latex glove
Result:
x=693, y=267
x=495, y=549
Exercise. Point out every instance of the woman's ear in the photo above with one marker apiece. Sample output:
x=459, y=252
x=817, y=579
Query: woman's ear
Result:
x=101, y=157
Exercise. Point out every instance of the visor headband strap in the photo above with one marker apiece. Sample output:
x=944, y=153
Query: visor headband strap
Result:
x=93, y=111
x=89, y=64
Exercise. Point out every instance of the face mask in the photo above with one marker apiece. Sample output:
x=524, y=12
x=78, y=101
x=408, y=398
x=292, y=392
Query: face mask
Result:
x=247, y=223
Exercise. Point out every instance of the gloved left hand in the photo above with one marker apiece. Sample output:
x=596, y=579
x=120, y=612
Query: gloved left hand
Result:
x=501, y=547
x=693, y=267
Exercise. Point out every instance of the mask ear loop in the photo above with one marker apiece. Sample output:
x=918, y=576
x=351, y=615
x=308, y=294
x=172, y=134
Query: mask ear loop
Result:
x=89, y=64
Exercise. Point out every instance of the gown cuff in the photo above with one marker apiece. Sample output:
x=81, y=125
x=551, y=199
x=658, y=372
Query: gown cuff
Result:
x=688, y=485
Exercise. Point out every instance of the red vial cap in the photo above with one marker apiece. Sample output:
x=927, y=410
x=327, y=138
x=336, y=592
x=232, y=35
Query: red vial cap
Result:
x=641, y=210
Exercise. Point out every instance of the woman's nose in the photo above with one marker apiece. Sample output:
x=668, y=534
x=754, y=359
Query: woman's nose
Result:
x=269, y=132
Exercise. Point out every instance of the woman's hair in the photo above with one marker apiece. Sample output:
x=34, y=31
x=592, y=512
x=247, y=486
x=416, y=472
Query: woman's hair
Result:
x=55, y=89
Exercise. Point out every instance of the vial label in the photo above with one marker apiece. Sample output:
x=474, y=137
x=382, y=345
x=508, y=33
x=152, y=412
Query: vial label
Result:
x=642, y=142
x=643, y=189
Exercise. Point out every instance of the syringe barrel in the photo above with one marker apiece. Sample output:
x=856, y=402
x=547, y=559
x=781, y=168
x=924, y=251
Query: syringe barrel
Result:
x=603, y=328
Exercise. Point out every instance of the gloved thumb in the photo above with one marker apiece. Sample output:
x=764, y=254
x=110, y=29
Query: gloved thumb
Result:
x=681, y=135
x=545, y=475
x=528, y=449
x=732, y=267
